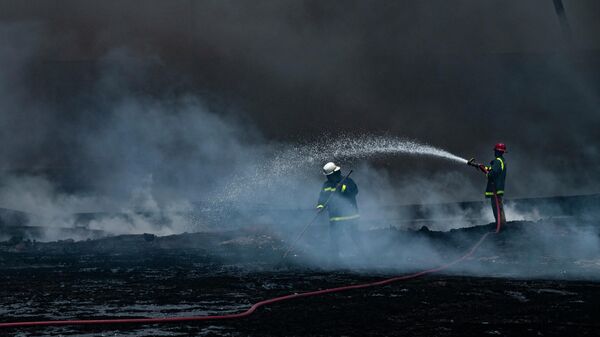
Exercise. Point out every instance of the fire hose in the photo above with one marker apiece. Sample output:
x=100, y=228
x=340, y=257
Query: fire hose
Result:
x=263, y=303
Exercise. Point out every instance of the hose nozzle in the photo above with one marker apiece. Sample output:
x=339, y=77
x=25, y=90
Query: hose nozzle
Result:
x=478, y=166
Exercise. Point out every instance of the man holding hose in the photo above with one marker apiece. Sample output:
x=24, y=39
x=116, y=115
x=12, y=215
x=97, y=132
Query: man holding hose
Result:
x=496, y=176
x=338, y=196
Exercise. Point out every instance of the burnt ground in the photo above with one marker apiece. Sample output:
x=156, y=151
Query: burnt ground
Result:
x=533, y=279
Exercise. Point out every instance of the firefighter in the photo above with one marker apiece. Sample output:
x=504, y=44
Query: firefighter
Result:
x=339, y=198
x=496, y=176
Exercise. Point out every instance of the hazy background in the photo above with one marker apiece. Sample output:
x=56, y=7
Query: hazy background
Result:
x=161, y=105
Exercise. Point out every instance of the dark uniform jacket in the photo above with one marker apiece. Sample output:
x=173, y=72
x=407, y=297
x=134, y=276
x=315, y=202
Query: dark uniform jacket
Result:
x=496, y=176
x=342, y=204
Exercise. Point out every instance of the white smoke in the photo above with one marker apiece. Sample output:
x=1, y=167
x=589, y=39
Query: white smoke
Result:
x=148, y=159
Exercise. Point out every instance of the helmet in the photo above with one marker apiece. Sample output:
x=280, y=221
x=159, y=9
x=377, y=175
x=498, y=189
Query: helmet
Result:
x=330, y=168
x=500, y=147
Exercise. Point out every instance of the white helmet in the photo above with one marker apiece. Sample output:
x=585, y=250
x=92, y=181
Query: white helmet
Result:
x=330, y=168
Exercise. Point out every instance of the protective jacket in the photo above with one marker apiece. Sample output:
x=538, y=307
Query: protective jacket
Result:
x=496, y=176
x=342, y=204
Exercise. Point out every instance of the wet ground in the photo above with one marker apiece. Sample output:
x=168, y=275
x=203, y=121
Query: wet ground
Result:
x=519, y=283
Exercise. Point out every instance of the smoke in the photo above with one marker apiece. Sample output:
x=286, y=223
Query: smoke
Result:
x=110, y=148
x=238, y=106
x=150, y=158
x=459, y=75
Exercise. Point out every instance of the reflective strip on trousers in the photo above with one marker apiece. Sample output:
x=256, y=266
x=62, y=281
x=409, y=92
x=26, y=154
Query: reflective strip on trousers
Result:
x=487, y=194
x=342, y=218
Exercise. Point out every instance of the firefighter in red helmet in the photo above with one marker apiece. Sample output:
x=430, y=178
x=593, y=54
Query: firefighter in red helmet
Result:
x=496, y=177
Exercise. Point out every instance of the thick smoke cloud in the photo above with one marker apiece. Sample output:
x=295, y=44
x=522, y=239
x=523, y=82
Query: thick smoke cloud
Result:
x=145, y=106
x=458, y=74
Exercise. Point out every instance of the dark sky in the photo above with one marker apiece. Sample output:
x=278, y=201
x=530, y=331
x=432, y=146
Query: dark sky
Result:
x=458, y=74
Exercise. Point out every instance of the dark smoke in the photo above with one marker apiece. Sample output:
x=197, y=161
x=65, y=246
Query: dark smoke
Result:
x=152, y=110
x=145, y=105
x=457, y=74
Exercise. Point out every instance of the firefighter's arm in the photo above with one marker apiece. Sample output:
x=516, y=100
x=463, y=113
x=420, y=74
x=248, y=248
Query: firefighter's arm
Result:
x=322, y=199
x=349, y=187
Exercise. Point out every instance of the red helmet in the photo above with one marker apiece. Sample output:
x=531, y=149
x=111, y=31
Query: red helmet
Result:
x=500, y=147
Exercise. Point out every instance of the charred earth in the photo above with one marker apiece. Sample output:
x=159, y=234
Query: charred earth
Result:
x=534, y=278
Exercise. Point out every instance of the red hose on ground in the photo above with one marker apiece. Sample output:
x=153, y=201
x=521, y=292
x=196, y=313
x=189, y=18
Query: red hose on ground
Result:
x=257, y=305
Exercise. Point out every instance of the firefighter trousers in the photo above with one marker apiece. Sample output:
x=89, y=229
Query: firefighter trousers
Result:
x=499, y=206
x=336, y=231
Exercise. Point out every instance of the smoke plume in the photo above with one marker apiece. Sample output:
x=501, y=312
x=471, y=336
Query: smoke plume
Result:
x=152, y=110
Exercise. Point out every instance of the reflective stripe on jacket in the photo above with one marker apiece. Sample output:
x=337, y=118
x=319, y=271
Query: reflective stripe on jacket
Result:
x=342, y=204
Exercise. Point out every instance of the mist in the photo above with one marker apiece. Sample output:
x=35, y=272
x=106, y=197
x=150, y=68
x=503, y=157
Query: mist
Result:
x=125, y=150
x=459, y=75
x=235, y=108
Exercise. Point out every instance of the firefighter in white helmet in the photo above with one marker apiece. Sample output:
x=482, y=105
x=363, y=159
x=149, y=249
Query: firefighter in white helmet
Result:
x=339, y=198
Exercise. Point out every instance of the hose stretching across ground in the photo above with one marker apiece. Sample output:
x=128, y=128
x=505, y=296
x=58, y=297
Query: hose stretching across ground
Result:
x=257, y=305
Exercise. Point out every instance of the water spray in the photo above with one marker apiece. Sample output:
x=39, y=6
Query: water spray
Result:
x=360, y=147
x=301, y=159
x=371, y=146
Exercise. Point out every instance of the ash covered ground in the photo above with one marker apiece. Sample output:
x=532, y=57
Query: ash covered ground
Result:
x=534, y=278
